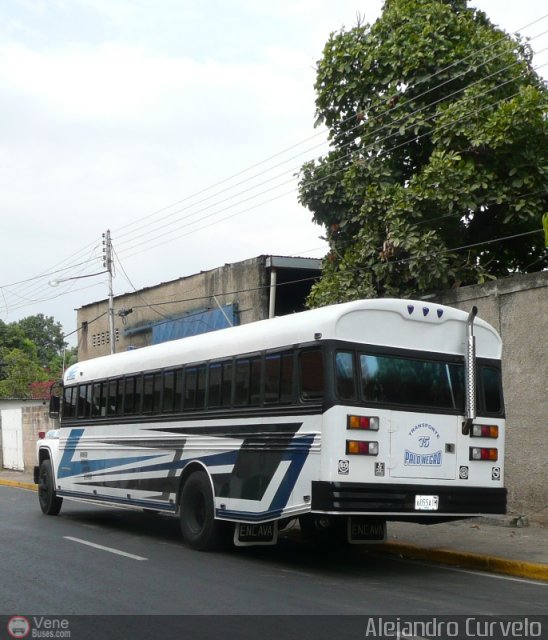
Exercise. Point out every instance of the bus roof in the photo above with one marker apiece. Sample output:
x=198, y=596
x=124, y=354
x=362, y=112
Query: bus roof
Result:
x=406, y=324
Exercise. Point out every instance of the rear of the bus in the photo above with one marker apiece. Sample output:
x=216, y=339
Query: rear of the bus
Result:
x=396, y=441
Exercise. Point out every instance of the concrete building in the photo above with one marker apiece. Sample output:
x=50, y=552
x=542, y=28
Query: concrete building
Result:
x=236, y=293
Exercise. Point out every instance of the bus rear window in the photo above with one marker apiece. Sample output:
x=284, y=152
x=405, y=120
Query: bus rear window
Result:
x=406, y=381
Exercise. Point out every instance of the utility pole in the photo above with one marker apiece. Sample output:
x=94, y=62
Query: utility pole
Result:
x=108, y=265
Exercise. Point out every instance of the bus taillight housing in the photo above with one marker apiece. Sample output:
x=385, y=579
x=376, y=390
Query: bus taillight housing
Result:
x=362, y=448
x=368, y=423
x=484, y=431
x=484, y=453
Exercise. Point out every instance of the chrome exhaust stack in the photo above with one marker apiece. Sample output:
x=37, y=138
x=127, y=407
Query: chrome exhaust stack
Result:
x=470, y=373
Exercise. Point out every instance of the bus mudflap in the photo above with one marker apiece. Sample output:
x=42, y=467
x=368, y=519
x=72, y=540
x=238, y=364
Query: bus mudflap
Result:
x=248, y=534
x=363, y=530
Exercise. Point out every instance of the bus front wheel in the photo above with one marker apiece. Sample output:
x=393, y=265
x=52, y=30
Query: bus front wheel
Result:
x=198, y=525
x=50, y=503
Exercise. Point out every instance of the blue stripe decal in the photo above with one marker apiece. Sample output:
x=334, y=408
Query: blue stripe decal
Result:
x=279, y=501
x=213, y=460
x=69, y=467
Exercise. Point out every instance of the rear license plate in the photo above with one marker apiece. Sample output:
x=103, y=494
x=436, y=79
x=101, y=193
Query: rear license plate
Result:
x=363, y=530
x=250, y=534
x=426, y=503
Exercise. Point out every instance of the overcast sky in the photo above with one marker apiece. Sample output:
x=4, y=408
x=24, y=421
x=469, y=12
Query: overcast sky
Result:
x=124, y=114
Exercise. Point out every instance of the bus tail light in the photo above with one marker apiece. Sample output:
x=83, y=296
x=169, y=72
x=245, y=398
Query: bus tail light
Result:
x=484, y=453
x=362, y=422
x=484, y=431
x=362, y=448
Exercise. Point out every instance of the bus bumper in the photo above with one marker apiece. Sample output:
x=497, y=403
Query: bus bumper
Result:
x=400, y=499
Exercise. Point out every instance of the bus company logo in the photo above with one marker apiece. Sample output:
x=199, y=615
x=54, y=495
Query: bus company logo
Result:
x=71, y=372
x=18, y=627
x=423, y=435
x=422, y=459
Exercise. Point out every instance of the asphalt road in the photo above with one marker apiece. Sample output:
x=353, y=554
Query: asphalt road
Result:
x=49, y=566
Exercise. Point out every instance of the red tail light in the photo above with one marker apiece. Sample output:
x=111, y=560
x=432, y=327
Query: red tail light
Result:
x=41, y=435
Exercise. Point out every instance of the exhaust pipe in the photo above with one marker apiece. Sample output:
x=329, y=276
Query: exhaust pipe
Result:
x=470, y=373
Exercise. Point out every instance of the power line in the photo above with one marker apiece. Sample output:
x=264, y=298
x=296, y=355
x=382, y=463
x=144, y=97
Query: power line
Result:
x=373, y=133
x=239, y=173
x=319, y=180
x=338, y=160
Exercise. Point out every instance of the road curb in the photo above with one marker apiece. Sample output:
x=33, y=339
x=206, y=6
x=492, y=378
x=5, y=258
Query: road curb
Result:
x=463, y=559
x=19, y=484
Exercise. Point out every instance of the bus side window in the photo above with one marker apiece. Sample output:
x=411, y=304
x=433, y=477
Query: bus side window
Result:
x=178, y=395
x=255, y=382
x=157, y=393
x=345, y=379
x=138, y=394
x=278, y=378
x=191, y=376
x=169, y=391
x=119, y=404
x=84, y=400
x=311, y=375
x=148, y=392
x=96, y=399
x=241, y=382
x=112, y=398
x=286, y=378
x=226, y=397
x=200, y=387
x=272, y=378
x=214, y=386
x=129, y=395
x=69, y=402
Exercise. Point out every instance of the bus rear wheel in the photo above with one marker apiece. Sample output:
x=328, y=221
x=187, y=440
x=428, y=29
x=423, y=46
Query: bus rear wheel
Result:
x=50, y=503
x=197, y=514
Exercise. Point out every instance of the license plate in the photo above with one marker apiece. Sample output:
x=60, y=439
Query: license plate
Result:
x=426, y=503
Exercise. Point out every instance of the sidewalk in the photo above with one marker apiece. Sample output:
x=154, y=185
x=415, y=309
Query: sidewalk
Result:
x=492, y=544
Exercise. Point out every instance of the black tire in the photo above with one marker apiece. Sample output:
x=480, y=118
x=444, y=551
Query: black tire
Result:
x=50, y=503
x=198, y=525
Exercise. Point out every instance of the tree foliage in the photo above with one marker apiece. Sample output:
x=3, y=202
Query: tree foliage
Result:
x=438, y=132
x=31, y=351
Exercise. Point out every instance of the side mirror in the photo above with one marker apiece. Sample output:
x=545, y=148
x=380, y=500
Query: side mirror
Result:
x=54, y=406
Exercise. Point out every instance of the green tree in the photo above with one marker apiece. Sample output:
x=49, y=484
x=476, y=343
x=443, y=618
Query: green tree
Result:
x=438, y=137
x=46, y=335
x=19, y=371
x=31, y=351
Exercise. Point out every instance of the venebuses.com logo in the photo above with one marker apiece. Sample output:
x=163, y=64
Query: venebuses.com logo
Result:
x=38, y=627
x=18, y=627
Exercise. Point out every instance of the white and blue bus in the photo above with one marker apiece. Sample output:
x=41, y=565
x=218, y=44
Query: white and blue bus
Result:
x=344, y=417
